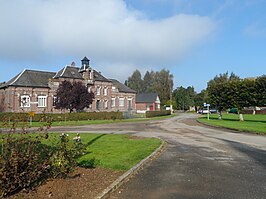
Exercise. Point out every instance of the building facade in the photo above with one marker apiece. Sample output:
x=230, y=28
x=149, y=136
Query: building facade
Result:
x=147, y=102
x=35, y=91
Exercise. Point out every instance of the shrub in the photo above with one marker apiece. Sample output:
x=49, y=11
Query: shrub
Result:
x=64, y=159
x=157, y=113
x=25, y=161
x=16, y=117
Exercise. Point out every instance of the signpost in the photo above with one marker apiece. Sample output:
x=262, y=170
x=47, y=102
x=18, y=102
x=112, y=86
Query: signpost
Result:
x=208, y=109
x=31, y=113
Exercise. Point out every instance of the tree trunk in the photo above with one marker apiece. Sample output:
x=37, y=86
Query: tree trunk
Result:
x=220, y=115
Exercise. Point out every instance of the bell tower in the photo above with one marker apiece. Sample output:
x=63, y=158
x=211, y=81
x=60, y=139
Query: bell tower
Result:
x=86, y=70
x=85, y=64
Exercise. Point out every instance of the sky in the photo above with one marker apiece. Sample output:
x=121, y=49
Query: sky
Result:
x=193, y=39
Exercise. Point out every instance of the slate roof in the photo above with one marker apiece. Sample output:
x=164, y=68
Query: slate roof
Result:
x=121, y=87
x=30, y=78
x=146, y=97
x=39, y=79
x=99, y=77
x=2, y=83
x=69, y=72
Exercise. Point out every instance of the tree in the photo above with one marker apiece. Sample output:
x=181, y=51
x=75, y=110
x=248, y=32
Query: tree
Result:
x=227, y=92
x=148, y=81
x=163, y=84
x=261, y=90
x=200, y=98
x=157, y=82
x=135, y=82
x=247, y=94
x=73, y=96
x=184, y=97
x=223, y=90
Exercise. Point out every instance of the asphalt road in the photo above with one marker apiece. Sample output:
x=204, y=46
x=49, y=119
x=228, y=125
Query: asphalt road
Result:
x=199, y=162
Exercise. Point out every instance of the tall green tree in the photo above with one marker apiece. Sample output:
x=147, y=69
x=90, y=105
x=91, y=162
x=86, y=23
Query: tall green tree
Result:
x=200, y=98
x=163, y=85
x=184, y=97
x=148, y=81
x=135, y=81
x=261, y=90
x=160, y=82
x=231, y=91
x=223, y=91
x=247, y=94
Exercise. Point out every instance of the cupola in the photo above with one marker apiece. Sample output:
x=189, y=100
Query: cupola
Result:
x=85, y=64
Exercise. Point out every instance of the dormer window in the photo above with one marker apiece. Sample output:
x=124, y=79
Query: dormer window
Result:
x=90, y=74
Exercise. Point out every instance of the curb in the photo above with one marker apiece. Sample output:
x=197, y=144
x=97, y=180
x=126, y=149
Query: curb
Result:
x=125, y=177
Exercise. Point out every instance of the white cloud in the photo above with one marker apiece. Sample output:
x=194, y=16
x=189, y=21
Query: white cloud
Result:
x=106, y=31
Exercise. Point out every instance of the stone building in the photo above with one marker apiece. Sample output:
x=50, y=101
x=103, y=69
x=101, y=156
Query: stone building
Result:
x=33, y=90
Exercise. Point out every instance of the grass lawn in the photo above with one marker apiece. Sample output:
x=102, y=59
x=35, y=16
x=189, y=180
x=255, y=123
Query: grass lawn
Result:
x=251, y=123
x=120, y=152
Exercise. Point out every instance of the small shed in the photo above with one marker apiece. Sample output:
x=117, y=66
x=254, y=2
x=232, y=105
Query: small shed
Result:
x=147, y=102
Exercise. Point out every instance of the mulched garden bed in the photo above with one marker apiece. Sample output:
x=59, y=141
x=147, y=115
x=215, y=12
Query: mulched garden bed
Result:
x=82, y=183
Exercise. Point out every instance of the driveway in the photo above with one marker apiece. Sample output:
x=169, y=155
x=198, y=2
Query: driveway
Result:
x=199, y=162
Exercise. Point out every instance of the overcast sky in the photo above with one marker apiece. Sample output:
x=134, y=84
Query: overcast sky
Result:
x=194, y=39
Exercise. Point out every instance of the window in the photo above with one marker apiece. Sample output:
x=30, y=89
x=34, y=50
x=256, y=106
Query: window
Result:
x=54, y=100
x=129, y=103
x=121, y=101
x=42, y=101
x=113, y=102
x=98, y=105
x=25, y=101
x=98, y=91
x=105, y=104
x=105, y=91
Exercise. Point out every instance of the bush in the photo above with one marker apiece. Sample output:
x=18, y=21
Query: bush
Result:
x=25, y=161
x=15, y=117
x=63, y=160
x=157, y=113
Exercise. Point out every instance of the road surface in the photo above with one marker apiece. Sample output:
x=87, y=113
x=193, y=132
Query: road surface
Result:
x=199, y=162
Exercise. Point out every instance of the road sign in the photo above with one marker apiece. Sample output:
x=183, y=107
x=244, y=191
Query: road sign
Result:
x=31, y=113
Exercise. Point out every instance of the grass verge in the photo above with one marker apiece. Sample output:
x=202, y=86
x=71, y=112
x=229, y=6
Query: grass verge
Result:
x=251, y=123
x=120, y=152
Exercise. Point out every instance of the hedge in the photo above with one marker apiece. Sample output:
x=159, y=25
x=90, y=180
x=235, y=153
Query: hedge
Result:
x=61, y=117
x=157, y=113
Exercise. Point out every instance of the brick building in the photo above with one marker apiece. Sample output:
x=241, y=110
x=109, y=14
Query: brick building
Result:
x=147, y=102
x=33, y=90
